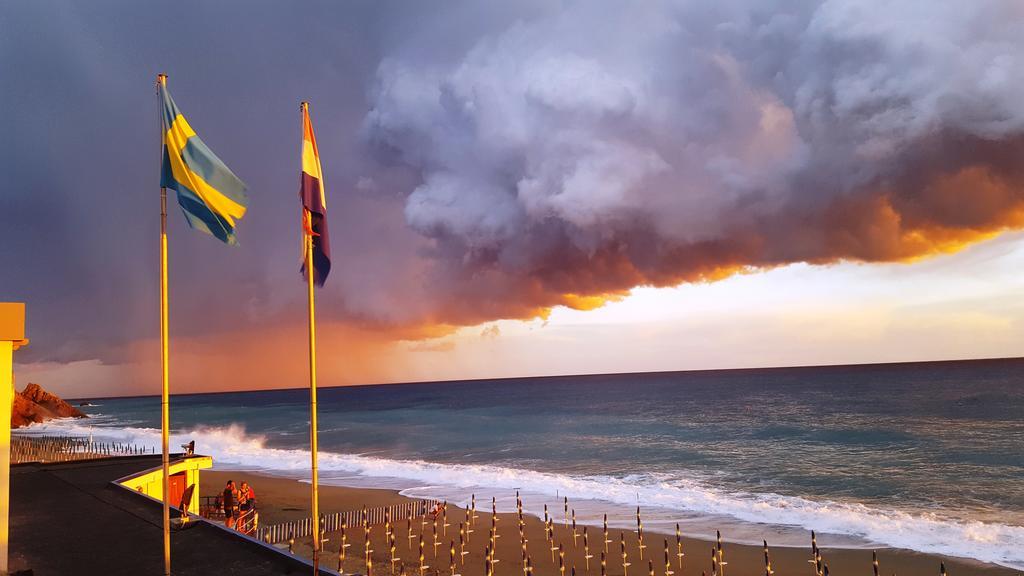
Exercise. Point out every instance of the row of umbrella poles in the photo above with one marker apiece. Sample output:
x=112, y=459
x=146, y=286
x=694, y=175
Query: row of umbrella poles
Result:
x=597, y=559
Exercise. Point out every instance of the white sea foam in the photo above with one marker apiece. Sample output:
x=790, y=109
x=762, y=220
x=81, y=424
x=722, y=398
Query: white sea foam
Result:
x=666, y=499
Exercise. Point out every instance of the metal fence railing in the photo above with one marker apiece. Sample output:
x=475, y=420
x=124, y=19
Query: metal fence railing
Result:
x=68, y=448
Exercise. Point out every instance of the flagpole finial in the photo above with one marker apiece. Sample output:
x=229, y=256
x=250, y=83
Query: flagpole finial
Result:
x=161, y=79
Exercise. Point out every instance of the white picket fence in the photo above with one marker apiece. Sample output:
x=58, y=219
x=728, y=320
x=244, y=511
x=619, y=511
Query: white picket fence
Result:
x=332, y=522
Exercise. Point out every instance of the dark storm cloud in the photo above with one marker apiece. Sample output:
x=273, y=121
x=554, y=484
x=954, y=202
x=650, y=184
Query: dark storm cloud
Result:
x=488, y=160
x=598, y=146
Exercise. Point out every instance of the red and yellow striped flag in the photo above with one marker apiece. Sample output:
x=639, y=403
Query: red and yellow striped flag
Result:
x=314, y=204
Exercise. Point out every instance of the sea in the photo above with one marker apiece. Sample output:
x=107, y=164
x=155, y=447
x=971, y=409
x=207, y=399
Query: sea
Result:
x=922, y=456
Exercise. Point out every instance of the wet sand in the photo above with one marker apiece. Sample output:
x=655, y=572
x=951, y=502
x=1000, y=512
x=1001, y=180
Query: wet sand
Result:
x=282, y=499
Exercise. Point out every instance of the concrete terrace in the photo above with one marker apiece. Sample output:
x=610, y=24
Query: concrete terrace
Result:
x=71, y=518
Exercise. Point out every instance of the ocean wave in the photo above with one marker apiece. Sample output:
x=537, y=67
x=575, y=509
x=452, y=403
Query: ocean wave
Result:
x=923, y=531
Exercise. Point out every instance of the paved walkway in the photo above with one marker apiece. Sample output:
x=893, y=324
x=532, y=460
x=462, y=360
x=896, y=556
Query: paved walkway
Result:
x=68, y=518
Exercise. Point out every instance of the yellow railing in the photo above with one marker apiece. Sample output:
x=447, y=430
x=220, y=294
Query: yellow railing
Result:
x=248, y=522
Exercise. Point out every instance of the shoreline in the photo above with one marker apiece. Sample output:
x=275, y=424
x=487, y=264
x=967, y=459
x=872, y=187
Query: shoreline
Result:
x=282, y=499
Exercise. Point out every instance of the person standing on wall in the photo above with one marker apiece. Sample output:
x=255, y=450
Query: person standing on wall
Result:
x=230, y=501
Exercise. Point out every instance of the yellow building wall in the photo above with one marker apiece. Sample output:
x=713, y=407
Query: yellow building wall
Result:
x=12, y=337
x=6, y=400
x=151, y=483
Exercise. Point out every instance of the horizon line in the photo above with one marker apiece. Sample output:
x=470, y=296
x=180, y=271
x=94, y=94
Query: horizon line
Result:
x=580, y=375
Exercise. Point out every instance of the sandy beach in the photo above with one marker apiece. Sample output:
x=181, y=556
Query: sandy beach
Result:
x=283, y=499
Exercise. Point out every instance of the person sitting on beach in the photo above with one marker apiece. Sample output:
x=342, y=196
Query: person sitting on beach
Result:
x=230, y=502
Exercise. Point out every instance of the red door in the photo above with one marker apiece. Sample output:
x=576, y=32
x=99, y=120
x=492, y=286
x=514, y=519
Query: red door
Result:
x=177, y=488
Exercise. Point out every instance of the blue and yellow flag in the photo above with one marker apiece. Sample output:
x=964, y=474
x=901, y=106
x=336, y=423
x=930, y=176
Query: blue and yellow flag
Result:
x=209, y=194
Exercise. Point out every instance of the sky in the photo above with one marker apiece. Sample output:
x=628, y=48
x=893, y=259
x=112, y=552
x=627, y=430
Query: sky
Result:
x=517, y=188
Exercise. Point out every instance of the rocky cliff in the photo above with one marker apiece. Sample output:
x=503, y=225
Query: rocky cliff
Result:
x=34, y=404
